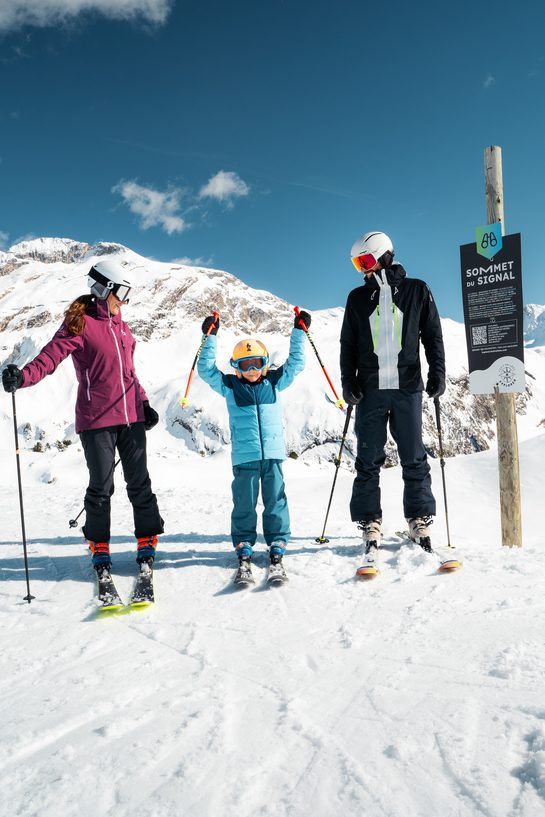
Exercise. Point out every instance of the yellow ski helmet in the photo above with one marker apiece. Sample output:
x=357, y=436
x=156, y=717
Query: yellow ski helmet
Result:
x=252, y=351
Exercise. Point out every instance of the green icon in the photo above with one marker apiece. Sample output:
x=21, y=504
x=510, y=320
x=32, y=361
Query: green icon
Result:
x=489, y=240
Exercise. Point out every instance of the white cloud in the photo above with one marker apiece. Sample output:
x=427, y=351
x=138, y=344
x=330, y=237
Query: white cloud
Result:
x=4, y=237
x=154, y=209
x=18, y=13
x=224, y=186
x=489, y=81
x=186, y=261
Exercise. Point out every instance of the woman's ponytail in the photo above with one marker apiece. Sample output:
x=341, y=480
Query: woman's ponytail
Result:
x=74, y=317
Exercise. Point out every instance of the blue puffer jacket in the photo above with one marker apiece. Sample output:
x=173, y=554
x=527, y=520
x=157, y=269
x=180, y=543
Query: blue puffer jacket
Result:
x=255, y=411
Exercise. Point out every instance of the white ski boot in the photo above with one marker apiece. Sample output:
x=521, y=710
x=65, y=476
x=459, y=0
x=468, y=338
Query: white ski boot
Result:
x=371, y=542
x=419, y=531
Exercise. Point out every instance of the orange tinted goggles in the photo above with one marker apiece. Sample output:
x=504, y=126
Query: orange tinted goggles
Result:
x=365, y=262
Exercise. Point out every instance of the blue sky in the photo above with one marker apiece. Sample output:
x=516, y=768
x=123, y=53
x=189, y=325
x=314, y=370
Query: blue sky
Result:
x=265, y=137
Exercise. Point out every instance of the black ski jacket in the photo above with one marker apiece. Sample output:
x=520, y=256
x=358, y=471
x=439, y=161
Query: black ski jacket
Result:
x=383, y=325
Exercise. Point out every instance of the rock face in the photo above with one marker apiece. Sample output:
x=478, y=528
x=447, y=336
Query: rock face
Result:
x=168, y=303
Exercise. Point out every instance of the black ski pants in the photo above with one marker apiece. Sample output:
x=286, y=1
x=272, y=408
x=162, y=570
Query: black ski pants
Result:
x=402, y=410
x=99, y=446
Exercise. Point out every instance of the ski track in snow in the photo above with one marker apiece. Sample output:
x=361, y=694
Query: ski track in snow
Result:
x=414, y=694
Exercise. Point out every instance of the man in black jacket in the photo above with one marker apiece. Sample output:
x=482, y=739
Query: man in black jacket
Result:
x=384, y=322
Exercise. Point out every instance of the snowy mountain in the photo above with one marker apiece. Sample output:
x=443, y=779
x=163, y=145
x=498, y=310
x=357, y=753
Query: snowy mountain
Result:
x=534, y=325
x=42, y=276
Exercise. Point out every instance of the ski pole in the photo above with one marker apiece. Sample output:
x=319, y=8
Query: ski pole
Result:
x=74, y=522
x=184, y=402
x=442, y=461
x=323, y=539
x=338, y=402
x=28, y=596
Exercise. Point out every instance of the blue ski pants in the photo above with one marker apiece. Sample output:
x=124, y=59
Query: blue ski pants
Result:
x=248, y=476
x=402, y=411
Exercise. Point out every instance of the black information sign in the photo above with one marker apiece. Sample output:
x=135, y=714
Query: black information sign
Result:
x=492, y=296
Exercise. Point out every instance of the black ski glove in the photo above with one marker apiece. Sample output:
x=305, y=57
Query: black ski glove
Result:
x=151, y=418
x=435, y=386
x=12, y=378
x=207, y=323
x=302, y=316
x=352, y=392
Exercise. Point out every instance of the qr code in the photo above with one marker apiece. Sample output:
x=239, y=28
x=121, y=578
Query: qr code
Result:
x=479, y=335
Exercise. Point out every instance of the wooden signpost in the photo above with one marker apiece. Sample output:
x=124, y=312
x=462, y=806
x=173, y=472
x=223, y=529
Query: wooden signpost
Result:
x=506, y=415
x=493, y=315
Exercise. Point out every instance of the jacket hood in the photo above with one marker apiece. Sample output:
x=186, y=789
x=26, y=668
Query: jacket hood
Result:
x=394, y=275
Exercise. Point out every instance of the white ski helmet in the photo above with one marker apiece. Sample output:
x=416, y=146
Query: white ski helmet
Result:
x=108, y=276
x=375, y=244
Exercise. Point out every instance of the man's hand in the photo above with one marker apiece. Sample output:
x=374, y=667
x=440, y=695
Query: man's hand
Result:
x=12, y=378
x=302, y=316
x=435, y=386
x=208, y=322
x=352, y=392
x=151, y=418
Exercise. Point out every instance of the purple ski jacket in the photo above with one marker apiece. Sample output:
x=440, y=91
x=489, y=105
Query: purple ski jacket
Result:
x=109, y=393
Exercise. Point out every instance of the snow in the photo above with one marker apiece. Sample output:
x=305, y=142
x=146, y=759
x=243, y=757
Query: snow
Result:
x=416, y=694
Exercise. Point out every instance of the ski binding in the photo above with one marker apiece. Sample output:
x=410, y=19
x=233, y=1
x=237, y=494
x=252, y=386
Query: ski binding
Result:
x=369, y=569
x=109, y=600
x=277, y=574
x=244, y=575
x=142, y=595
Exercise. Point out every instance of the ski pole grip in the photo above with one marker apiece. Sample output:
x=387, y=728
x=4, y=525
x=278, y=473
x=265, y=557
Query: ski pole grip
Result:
x=297, y=311
x=437, y=413
x=212, y=325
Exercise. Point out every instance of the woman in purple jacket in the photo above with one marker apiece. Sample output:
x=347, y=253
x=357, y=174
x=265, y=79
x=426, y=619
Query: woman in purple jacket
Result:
x=112, y=409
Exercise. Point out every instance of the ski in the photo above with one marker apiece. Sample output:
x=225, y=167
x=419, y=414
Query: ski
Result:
x=277, y=574
x=446, y=562
x=369, y=568
x=142, y=594
x=109, y=600
x=243, y=576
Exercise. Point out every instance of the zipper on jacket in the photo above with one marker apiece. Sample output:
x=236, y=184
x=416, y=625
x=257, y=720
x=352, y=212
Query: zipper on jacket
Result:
x=88, y=385
x=259, y=425
x=120, y=374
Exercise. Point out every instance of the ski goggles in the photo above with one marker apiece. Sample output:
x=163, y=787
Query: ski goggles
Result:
x=246, y=364
x=364, y=262
x=121, y=292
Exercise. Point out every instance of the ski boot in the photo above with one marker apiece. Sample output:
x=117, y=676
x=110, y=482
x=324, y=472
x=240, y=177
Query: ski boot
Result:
x=108, y=597
x=277, y=573
x=142, y=594
x=371, y=541
x=370, y=533
x=419, y=531
x=244, y=575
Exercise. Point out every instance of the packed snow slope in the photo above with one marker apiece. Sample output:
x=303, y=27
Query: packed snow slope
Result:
x=417, y=694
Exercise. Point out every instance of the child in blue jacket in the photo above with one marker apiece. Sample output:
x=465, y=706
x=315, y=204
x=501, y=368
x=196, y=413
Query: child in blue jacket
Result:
x=257, y=436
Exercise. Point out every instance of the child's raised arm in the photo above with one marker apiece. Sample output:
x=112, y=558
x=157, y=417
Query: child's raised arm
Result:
x=206, y=365
x=286, y=374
